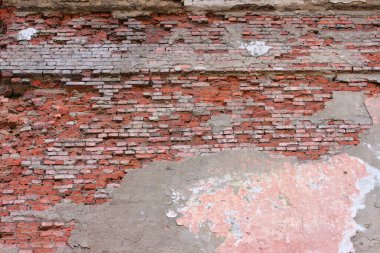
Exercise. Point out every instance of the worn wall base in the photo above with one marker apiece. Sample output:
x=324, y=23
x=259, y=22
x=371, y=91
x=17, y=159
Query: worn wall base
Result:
x=228, y=202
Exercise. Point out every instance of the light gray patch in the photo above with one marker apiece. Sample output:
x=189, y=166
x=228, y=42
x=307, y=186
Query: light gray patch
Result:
x=232, y=36
x=346, y=35
x=135, y=220
x=335, y=55
x=9, y=250
x=71, y=250
x=178, y=34
x=369, y=148
x=220, y=122
x=65, y=212
x=129, y=14
x=368, y=240
x=345, y=105
x=358, y=78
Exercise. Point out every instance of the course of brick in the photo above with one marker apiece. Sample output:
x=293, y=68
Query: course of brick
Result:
x=100, y=43
x=91, y=97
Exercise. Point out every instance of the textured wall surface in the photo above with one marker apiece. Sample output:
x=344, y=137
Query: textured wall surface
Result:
x=146, y=126
x=183, y=5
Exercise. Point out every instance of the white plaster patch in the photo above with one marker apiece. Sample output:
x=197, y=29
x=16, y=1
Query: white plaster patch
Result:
x=365, y=186
x=171, y=214
x=26, y=34
x=256, y=48
x=235, y=226
x=176, y=196
x=211, y=185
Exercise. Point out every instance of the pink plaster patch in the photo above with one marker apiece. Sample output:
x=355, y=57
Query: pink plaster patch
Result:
x=304, y=207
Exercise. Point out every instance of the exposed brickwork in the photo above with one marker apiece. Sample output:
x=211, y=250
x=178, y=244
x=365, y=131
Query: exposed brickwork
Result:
x=77, y=146
x=91, y=96
x=165, y=43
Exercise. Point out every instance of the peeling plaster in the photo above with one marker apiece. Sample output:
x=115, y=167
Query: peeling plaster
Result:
x=365, y=186
x=367, y=212
x=285, y=206
x=256, y=48
x=26, y=34
x=317, y=202
x=235, y=201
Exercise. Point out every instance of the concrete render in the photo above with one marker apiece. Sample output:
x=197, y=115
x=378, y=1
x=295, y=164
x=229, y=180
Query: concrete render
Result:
x=368, y=240
x=240, y=201
x=347, y=106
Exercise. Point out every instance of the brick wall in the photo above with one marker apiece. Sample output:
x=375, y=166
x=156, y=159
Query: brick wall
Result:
x=91, y=97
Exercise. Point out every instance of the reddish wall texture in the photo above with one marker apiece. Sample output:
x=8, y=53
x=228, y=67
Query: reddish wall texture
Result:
x=90, y=97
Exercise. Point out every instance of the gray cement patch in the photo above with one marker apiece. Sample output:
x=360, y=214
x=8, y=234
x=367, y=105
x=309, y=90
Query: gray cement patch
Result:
x=140, y=216
x=347, y=106
x=368, y=240
x=369, y=148
x=358, y=77
x=137, y=219
x=220, y=122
